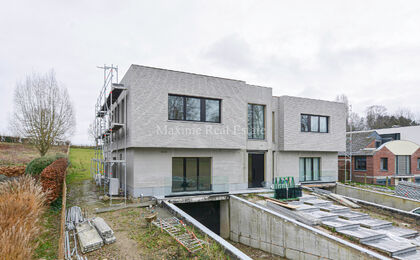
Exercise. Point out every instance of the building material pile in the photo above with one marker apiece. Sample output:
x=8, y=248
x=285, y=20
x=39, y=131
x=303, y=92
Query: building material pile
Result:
x=408, y=190
x=89, y=238
x=91, y=233
x=104, y=230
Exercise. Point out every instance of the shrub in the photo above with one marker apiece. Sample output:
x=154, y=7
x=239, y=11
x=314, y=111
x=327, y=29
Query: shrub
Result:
x=52, y=179
x=12, y=171
x=21, y=207
x=36, y=166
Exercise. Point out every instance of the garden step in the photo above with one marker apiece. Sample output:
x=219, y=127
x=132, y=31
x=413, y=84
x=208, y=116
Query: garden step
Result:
x=391, y=246
x=362, y=234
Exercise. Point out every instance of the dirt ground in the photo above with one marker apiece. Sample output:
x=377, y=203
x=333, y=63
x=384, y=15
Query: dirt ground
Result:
x=22, y=154
x=136, y=239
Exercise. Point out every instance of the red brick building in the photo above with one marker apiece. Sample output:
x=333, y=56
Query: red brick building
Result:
x=373, y=159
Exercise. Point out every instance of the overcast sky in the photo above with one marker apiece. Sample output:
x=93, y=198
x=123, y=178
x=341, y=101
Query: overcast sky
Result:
x=368, y=50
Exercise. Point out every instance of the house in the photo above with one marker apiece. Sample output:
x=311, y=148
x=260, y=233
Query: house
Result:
x=376, y=158
x=191, y=134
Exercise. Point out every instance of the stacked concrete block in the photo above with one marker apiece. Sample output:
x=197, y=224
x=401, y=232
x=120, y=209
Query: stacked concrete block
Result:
x=104, y=230
x=89, y=238
x=408, y=190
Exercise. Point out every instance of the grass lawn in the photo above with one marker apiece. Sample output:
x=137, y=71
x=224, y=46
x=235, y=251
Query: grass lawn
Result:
x=79, y=169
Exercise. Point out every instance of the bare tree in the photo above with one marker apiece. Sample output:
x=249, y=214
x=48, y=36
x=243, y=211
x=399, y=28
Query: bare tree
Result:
x=43, y=112
x=91, y=132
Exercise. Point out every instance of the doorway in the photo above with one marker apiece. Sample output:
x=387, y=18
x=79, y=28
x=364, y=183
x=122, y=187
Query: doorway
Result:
x=255, y=170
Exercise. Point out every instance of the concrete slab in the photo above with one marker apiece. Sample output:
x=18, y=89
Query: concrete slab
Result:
x=400, y=232
x=89, y=238
x=410, y=256
x=318, y=202
x=351, y=215
x=340, y=224
x=362, y=234
x=321, y=215
x=335, y=208
x=306, y=197
x=373, y=223
x=391, y=246
x=307, y=208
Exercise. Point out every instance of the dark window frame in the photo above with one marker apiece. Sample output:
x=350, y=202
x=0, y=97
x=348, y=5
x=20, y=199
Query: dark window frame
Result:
x=312, y=168
x=184, y=165
x=356, y=159
x=385, y=159
x=319, y=124
x=418, y=163
x=202, y=109
x=252, y=121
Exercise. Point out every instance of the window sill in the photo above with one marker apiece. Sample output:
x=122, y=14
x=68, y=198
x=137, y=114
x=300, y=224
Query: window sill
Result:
x=261, y=140
x=384, y=170
x=191, y=121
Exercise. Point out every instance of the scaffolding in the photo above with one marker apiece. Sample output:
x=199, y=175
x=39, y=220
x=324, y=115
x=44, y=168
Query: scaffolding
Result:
x=107, y=168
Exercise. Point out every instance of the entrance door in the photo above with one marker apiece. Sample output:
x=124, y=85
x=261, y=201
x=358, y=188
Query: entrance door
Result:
x=255, y=170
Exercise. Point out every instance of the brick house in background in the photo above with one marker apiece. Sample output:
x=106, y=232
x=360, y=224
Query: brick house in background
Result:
x=375, y=158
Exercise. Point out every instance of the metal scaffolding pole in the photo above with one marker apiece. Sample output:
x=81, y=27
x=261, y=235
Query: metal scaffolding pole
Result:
x=108, y=134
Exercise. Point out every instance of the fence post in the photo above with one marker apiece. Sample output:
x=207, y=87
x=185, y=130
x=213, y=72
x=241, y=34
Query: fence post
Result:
x=63, y=215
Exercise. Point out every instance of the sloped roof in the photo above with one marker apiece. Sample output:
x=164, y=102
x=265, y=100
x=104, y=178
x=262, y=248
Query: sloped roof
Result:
x=360, y=141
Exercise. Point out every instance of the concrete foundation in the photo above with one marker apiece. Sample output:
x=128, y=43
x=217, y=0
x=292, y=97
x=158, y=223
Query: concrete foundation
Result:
x=377, y=197
x=259, y=227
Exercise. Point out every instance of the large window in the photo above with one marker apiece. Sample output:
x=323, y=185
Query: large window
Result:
x=309, y=169
x=256, y=122
x=193, y=109
x=360, y=163
x=418, y=163
x=191, y=174
x=402, y=164
x=384, y=164
x=313, y=123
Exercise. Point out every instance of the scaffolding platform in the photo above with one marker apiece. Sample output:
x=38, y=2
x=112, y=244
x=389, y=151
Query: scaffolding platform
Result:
x=114, y=94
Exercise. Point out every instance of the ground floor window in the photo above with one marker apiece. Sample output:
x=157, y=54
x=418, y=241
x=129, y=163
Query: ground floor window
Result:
x=384, y=164
x=360, y=163
x=402, y=165
x=191, y=174
x=309, y=169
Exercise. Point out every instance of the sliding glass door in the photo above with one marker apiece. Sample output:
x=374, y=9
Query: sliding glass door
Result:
x=191, y=174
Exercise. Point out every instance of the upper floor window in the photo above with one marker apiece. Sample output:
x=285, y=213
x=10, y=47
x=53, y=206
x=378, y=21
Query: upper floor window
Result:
x=313, y=123
x=418, y=163
x=256, y=122
x=384, y=164
x=360, y=163
x=193, y=109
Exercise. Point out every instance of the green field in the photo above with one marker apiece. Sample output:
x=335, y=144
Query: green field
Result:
x=79, y=169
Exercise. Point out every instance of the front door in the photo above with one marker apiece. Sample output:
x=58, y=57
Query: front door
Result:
x=255, y=170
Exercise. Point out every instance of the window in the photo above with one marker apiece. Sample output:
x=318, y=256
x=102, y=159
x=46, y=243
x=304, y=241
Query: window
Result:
x=360, y=163
x=418, y=163
x=256, y=122
x=384, y=164
x=191, y=174
x=193, y=109
x=273, y=128
x=313, y=123
x=309, y=169
x=122, y=111
x=402, y=164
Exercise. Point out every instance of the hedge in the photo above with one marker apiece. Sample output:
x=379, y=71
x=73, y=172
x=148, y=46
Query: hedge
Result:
x=52, y=179
x=36, y=166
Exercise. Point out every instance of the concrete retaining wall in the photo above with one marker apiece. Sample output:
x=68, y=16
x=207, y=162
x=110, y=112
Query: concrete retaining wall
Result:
x=262, y=228
x=230, y=249
x=377, y=197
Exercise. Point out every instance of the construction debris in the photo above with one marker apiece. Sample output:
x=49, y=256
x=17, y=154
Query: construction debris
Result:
x=104, y=230
x=178, y=230
x=89, y=238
